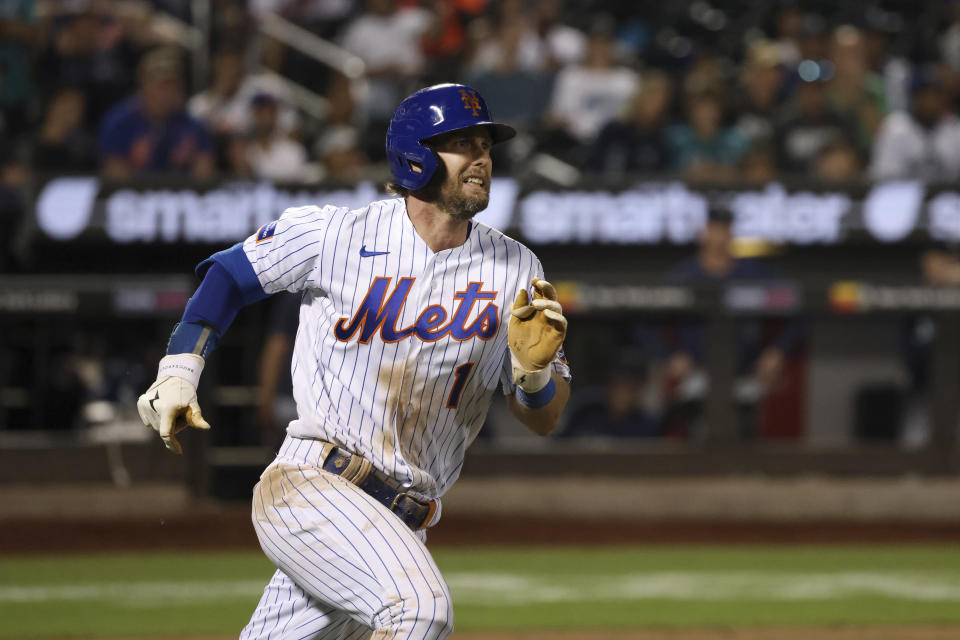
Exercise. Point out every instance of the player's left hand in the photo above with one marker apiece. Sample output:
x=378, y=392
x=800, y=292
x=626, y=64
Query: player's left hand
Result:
x=537, y=328
x=170, y=406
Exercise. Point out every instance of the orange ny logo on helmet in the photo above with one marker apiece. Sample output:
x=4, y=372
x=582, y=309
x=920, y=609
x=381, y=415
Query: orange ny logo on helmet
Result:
x=470, y=101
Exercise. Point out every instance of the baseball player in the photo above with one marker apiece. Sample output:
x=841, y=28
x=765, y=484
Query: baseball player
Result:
x=411, y=314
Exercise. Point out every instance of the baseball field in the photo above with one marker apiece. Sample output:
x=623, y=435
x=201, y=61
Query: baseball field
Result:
x=651, y=592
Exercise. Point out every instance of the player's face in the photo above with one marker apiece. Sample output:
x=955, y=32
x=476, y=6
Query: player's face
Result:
x=465, y=154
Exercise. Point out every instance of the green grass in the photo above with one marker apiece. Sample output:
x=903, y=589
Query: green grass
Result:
x=178, y=594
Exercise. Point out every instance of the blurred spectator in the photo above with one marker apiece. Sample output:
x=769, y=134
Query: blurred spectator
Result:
x=18, y=39
x=339, y=154
x=762, y=350
x=702, y=148
x=855, y=90
x=443, y=40
x=806, y=124
x=619, y=409
x=940, y=267
x=949, y=41
x=565, y=45
x=706, y=74
x=888, y=59
x=837, y=162
x=225, y=105
x=275, y=403
x=387, y=38
x=508, y=66
x=758, y=165
x=266, y=152
x=63, y=382
x=588, y=96
x=93, y=52
x=509, y=44
x=789, y=29
x=63, y=144
x=150, y=132
x=923, y=143
x=756, y=106
x=636, y=144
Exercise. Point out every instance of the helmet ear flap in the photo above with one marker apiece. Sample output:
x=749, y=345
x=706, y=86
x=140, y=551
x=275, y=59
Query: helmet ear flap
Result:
x=428, y=167
x=413, y=169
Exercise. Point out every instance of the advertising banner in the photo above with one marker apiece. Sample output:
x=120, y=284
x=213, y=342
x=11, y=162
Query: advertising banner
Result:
x=645, y=213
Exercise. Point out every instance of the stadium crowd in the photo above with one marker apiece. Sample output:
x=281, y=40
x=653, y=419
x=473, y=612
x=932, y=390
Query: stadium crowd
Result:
x=748, y=90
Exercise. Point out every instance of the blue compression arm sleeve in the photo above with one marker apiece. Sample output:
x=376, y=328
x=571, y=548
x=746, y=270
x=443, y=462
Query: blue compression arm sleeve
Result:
x=229, y=283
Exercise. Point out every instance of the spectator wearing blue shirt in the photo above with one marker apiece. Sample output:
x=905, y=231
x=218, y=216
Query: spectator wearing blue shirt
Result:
x=150, y=132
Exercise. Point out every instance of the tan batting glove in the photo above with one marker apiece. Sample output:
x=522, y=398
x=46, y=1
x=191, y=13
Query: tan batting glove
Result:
x=536, y=331
x=170, y=404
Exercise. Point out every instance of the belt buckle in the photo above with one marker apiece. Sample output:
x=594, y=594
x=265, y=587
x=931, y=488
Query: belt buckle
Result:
x=431, y=506
x=396, y=499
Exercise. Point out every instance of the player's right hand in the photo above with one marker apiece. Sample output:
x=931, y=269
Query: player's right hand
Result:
x=170, y=406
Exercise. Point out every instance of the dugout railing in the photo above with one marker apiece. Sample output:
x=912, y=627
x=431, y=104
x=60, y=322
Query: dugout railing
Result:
x=35, y=309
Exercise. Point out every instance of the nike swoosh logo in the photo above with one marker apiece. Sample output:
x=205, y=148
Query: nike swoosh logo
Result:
x=369, y=254
x=155, y=398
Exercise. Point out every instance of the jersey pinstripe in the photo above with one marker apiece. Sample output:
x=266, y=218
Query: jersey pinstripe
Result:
x=409, y=387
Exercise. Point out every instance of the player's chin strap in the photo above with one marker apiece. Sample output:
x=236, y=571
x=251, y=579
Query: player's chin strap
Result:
x=535, y=389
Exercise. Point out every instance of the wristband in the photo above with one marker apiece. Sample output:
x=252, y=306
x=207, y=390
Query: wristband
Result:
x=193, y=337
x=529, y=381
x=537, y=399
x=181, y=365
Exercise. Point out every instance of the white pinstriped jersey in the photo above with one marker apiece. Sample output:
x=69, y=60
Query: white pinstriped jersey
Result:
x=399, y=348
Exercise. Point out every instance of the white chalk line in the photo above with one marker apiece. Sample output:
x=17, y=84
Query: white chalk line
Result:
x=505, y=589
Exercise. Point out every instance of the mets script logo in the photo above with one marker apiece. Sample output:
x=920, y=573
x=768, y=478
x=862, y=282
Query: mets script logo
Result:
x=470, y=101
x=375, y=315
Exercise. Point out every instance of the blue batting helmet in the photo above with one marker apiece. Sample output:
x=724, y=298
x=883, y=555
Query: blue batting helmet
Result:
x=429, y=112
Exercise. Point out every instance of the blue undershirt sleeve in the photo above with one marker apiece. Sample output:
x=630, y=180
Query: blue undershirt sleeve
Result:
x=229, y=283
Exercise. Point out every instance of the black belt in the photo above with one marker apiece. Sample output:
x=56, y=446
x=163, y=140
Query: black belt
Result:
x=415, y=513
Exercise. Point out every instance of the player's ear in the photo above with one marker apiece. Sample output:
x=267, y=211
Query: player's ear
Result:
x=415, y=166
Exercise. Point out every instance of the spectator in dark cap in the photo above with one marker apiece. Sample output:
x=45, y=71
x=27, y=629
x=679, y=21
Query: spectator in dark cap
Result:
x=762, y=347
x=923, y=143
x=150, y=132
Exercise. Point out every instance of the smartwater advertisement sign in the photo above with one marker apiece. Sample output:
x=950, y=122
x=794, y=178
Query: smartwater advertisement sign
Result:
x=68, y=208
